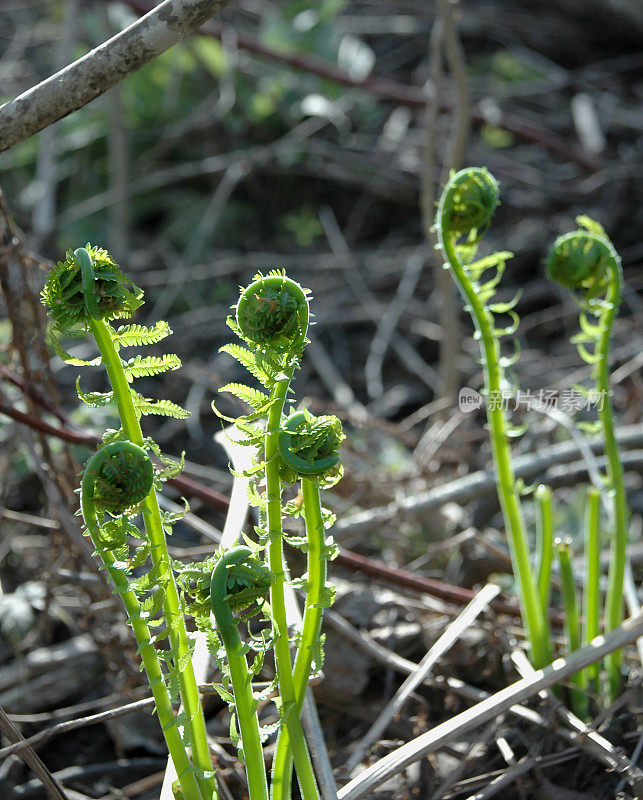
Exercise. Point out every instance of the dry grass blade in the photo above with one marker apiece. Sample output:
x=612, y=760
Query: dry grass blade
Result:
x=504, y=780
x=586, y=738
x=428, y=742
x=450, y=636
x=52, y=787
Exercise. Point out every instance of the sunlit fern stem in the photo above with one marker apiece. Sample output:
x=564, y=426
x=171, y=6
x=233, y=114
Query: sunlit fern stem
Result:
x=616, y=574
x=240, y=675
x=592, y=595
x=544, y=545
x=283, y=660
x=149, y=657
x=578, y=692
x=161, y=561
x=311, y=626
x=531, y=609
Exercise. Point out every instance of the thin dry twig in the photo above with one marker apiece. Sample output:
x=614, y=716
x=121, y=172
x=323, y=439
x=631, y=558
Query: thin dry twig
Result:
x=404, y=350
x=32, y=759
x=428, y=742
x=476, y=483
x=388, y=323
x=444, y=643
x=586, y=738
x=73, y=724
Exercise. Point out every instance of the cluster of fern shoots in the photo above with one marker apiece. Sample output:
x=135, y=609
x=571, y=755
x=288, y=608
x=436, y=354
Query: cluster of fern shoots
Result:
x=295, y=456
x=585, y=263
x=84, y=294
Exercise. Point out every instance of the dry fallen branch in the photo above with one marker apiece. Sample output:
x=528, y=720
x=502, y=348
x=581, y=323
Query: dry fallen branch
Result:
x=587, y=738
x=430, y=741
x=85, y=79
x=450, y=636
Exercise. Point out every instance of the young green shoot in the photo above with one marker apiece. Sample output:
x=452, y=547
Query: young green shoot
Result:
x=238, y=580
x=579, y=695
x=272, y=318
x=586, y=263
x=84, y=293
x=464, y=213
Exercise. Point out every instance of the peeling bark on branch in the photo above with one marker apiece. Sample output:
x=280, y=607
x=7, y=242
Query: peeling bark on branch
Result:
x=94, y=73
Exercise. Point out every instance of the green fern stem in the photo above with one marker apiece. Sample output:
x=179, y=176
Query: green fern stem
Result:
x=592, y=595
x=309, y=450
x=616, y=574
x=311, y=628
x=283, y=660
x=531, y=609
x=161, y=561
x=241, y=677
x=572, y=621
x=544, y=545
x=149, y=657
x=273, y=316
x=586, y=262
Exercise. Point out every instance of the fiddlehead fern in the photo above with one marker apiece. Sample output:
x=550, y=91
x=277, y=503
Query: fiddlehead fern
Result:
x=272, y=319
x=121, y=478
x=586, y=263
x=309, y=450
x=240, y=579
x=464, y=213
x=102, y=490
x=84, y=293
x=89, y=283
x=272, y=312
x=470, y=199
x=309, y=446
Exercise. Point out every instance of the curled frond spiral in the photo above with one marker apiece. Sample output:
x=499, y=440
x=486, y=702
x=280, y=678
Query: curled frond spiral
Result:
x=309, y=446
x=273, y=312
x=89, y=284
x=468, y=202
x=585, y=261
x=117, y=477
x=239, y=579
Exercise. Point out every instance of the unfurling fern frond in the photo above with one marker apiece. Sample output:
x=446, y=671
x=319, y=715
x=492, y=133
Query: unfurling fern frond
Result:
x=84, y=293
x=464, y=214
x=273, y=313
x=584, y=261
x=118, y=476
x=468, y=202
x=162, y=408
x=309, y=447
x=137, y=335
x=145, y=366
